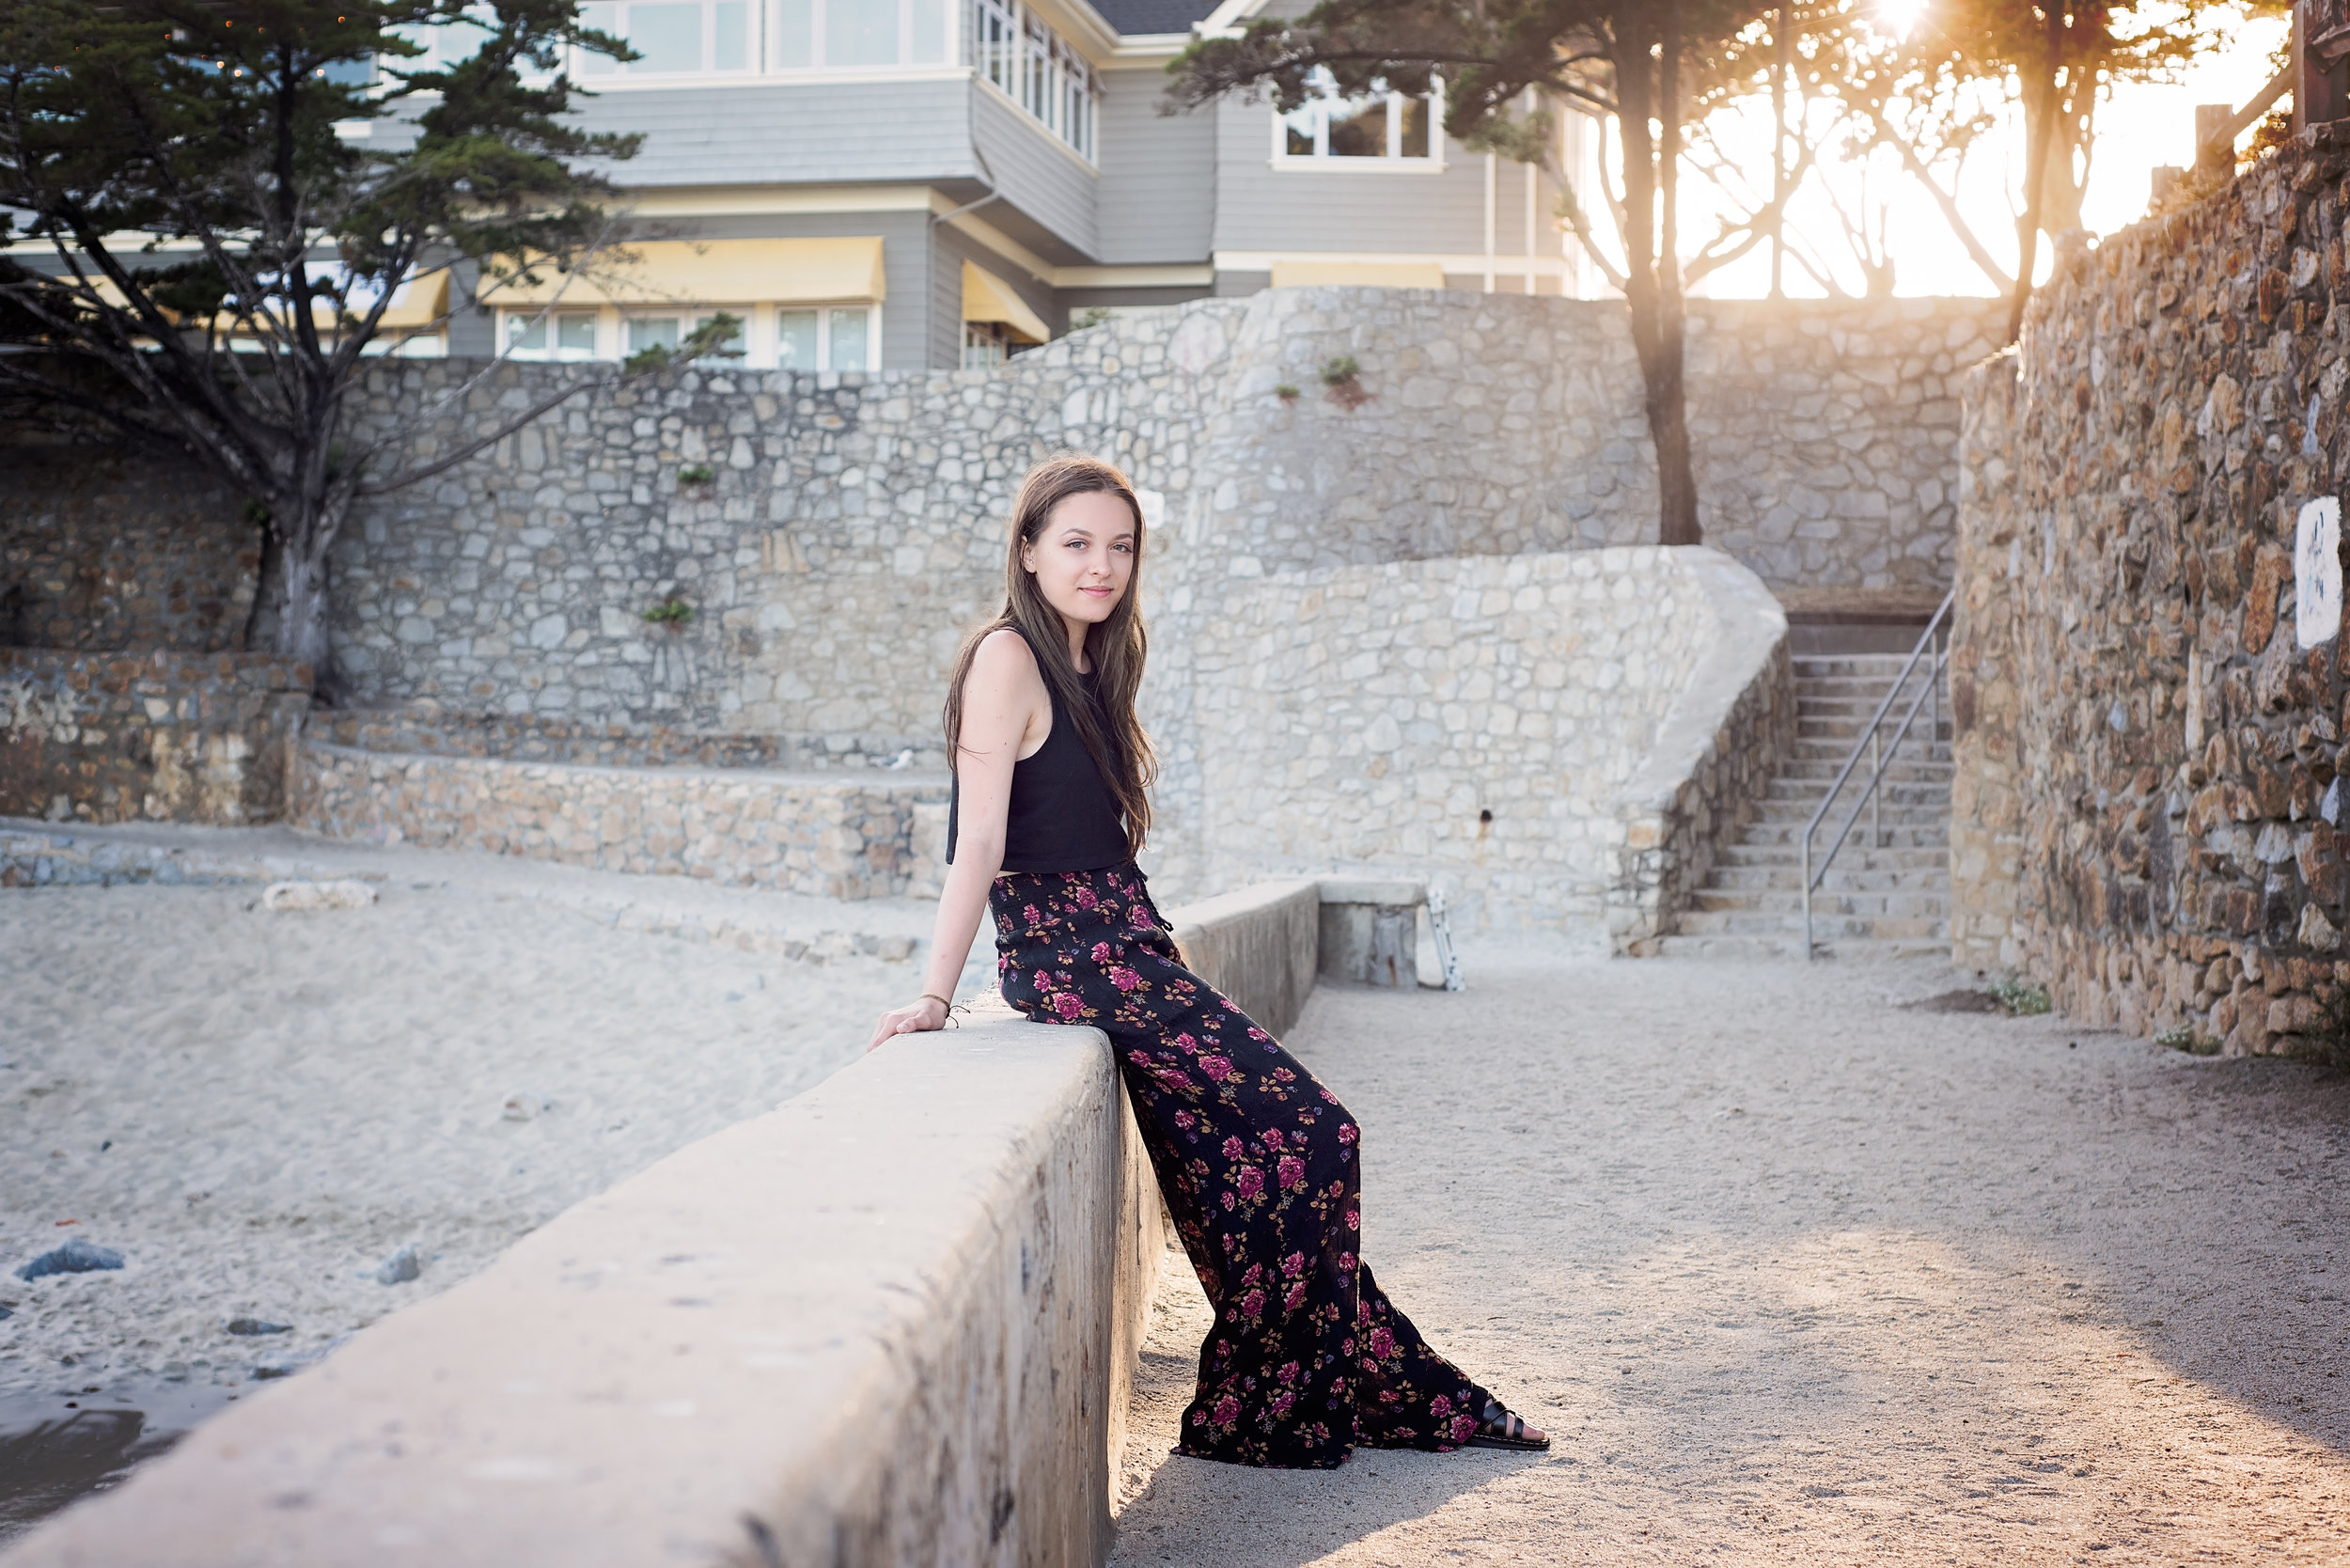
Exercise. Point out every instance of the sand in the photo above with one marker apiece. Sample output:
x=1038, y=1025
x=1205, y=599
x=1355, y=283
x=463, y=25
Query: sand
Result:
x=1796, y=1275
x=257, y=1108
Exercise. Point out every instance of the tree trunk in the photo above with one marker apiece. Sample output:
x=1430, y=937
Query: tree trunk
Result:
x=1653, y=272
x=303, y=583
x=2040, y=135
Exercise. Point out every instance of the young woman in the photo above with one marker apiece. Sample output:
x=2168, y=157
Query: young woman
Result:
x=1257, y=1160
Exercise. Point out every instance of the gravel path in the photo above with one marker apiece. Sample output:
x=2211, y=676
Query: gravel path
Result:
x=1795, y=1274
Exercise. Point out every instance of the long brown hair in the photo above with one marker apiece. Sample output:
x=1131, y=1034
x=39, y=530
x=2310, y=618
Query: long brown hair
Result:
x=1115, y=646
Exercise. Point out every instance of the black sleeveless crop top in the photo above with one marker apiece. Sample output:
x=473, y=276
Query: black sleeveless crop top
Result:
x=1062, y=816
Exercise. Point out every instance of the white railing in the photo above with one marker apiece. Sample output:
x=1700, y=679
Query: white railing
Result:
x=1933, y=650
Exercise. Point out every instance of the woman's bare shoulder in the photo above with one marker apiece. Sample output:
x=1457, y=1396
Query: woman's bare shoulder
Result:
x=1004, y=656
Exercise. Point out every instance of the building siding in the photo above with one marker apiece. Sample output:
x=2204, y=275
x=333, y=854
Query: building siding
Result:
x=1260, y=207
x=1037, y=177
x=789, y=133
x=1158, y=174
x=949, y=251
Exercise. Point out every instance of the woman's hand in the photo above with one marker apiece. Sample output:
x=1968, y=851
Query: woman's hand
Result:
x=916, y=1018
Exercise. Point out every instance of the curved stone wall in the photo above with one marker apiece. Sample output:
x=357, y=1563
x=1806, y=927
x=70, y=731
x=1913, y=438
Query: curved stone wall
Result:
x=1478, y=719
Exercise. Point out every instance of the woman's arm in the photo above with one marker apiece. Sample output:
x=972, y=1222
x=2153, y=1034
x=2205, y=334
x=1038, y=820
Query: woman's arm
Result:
x=1003, y=701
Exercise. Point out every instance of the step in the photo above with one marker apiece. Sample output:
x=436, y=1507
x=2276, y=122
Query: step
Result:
x=1824, y=927
x=1890, y=795
x=1900, y=768
x=1850, y=949
x=1916, y=903
x=1933, y=858
x=1843, y=877
x=1826, y=748
x=1855, y=727
x=1893, y=836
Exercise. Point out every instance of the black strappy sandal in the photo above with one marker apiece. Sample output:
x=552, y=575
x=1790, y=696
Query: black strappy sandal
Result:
x=1501, y=1429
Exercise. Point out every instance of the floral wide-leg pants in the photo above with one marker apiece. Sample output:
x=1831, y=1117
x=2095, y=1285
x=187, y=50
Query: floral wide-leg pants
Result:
x=1257, y=1161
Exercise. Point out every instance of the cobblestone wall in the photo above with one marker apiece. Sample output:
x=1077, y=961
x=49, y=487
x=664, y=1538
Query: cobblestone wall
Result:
x=126, y=737
x=836, y=836
x=102, y=551
x=2148, y=682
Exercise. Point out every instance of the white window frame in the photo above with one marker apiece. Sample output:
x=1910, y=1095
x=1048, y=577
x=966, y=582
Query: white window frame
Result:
x=772, y=322
x=771, y=56
x=549, y=326
x=586, y=67
x=1394, y=161
x=1019, y=55
x=760, y=342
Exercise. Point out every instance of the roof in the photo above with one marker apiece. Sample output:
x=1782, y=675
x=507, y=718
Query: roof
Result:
x=1130, y=17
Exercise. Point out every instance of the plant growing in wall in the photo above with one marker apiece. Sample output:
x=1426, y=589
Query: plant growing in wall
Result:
x=1342, y=382
x=1286, y=392
x=672, y=611
x=221, y=212
x=700, y=473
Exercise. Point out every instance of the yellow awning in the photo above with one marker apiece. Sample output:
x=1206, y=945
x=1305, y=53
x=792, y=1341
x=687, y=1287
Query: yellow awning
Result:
x=420, y=301
x=709, y=271
x=1358, y=275
x=989, y=298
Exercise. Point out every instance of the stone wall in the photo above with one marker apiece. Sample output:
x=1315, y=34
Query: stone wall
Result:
x=2148, y=683
x=841, y=532
x=850, y=526
x=1712, y=759
x=102, y=551
x=1473, y=719
x=838, y=835
x=121, y=737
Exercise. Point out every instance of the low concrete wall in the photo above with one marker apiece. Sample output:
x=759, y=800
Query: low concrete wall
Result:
x=113, y=737
x=844, y=833
x=892, y=1322
x=1259, y=947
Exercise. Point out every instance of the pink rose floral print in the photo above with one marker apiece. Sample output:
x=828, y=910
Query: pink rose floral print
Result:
x=1307, y=1358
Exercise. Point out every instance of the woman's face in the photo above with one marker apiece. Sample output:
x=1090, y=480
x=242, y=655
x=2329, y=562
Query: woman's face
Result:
x=1084, y=555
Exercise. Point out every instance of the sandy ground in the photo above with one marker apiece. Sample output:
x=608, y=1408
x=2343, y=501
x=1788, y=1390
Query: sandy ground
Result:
x=1796, y=1275
x=257, y=1108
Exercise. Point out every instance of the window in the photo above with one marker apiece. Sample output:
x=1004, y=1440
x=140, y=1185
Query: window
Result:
x=844, y=337
x=673, y=36
x=987, y=344
x=852, y=34
x=1388, y=126
x=553, y=335
x=835, y=337
x=1031, y=65
x=444, y=44
x=668, y=328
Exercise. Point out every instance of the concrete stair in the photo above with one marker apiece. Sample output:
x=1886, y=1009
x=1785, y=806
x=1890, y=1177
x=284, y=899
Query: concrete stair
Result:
x=1885, y=899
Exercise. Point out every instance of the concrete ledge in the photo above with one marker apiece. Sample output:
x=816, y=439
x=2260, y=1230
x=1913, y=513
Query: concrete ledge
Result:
x=1259, y=946
x=887, y=1323
x=892, y=1322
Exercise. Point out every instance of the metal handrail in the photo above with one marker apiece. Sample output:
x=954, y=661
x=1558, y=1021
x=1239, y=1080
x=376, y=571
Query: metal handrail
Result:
x=1881, y=756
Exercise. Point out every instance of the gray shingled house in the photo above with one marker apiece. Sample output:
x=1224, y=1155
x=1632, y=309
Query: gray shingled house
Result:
x=907, y=183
